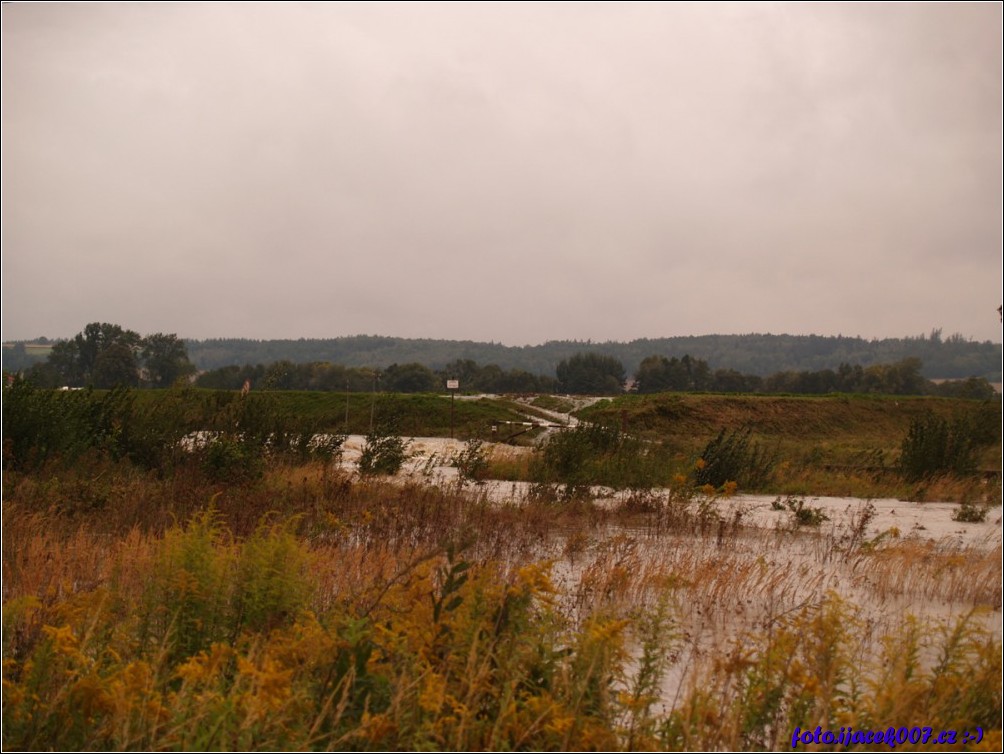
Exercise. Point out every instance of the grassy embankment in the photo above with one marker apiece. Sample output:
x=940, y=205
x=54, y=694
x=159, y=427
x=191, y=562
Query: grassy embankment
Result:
x=830, y=445
x=417, y=415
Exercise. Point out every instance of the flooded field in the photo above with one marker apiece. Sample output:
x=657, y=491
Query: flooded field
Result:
x=431, y=461
x=751, y=561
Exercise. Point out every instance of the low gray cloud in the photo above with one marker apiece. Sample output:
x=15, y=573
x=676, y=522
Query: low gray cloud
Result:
x=515, y=173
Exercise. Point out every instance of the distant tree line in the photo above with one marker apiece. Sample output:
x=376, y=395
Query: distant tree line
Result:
x=658, y=374
x=593, y=374
x=105, y=355
x=755, y=354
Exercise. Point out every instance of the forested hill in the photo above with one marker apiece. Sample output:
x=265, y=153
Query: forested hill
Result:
x=750, y=354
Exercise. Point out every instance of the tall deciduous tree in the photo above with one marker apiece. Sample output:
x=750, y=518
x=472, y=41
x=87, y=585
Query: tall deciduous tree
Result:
x=591, y=374
x=99, y=336
x=115, y=365
x=409, y=378
x=78, y=362
x=657, y=374
x=165, y=359
x=105, y=355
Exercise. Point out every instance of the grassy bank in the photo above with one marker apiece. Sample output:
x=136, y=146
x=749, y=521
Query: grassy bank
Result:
x=836, y=445
x=877, y=422
x=415, y=414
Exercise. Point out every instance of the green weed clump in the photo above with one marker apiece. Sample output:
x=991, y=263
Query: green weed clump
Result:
x=970, y=513
x=592, y=454
x=244, y=434
x=384, y=452
x=734, y=457
x=804, y=515
x=933, y=446
x=472, y=462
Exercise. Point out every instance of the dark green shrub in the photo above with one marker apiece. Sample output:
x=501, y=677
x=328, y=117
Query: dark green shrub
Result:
x=385, y=452
x=299, y=439
x=322, y=446
x=270, y=584
x=935, y=446
x=567, y=454
x=591, y=454
x=41, y=425
x=985, y=422
x=258, y=423
x=152, y=432
x=805, y=515
x=228, y=458
x=734, y=457
x=970, y=513
x=472, y=461
x=254, y=417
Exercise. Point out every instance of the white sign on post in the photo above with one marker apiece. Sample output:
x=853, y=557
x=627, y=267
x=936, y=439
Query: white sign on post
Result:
x=453, y=384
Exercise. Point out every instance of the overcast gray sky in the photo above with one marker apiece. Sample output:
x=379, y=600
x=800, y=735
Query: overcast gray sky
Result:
x=507, y=172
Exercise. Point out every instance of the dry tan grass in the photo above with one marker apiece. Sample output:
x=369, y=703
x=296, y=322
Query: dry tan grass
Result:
x=926, y=570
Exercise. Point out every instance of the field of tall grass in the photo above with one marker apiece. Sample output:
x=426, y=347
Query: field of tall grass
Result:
x=166, y=601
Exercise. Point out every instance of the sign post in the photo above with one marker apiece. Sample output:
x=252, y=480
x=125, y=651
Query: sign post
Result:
x=452, y=386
